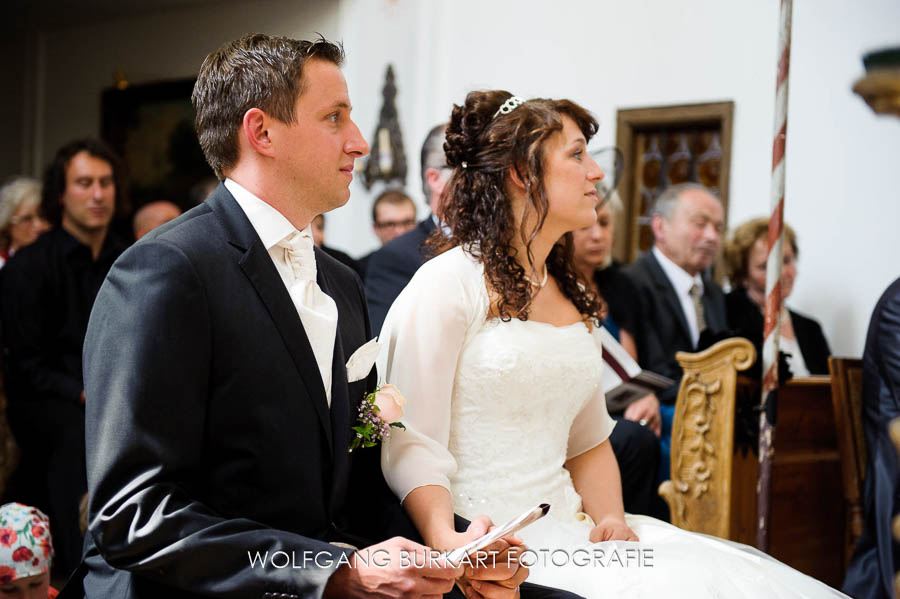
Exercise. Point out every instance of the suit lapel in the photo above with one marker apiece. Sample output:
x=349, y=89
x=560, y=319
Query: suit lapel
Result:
x=259, y=269
x=668, y=292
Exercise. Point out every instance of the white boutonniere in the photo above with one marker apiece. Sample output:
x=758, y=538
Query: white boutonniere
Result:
x=363, y=359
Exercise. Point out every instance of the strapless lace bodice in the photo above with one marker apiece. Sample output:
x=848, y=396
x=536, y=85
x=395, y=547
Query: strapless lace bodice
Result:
x=519, y=386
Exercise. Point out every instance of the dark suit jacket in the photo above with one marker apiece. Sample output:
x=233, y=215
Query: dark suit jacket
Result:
x=662, y=326
x=391, y=267
x=877, y=555
x=746, y=319
x=208, y=432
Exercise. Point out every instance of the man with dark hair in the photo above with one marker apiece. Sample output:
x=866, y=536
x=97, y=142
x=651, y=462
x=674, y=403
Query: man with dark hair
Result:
x=393, y=214
x=48, y=289
x=390, y=268
x=218, y=435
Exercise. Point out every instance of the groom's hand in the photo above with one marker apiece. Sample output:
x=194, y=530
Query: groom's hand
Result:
x=397, y=567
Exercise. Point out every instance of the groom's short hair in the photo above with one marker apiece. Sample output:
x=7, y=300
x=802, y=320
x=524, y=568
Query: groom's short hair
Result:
x=255, y=71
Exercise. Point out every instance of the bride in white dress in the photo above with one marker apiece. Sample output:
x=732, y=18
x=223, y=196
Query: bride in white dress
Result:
x=493, y=344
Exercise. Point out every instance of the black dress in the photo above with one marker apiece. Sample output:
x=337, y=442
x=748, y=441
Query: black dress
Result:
x=746, y=320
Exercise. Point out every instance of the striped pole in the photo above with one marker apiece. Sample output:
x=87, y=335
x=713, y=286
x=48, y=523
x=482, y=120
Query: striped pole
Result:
x=773, y=310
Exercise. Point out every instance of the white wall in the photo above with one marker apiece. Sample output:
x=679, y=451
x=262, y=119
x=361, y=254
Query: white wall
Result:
x=607, y=54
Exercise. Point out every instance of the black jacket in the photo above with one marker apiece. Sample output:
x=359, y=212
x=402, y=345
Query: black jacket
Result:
x=390, y=268
x=662, y=327
x=746, y=320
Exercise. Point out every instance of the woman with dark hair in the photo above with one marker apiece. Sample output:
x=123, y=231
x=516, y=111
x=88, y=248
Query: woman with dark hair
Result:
x=746, y=253
x=494, y=343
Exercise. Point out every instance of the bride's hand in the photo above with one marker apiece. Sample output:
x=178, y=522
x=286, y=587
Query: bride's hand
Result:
x=495, y=573
x=450, y=539
x=612, y=529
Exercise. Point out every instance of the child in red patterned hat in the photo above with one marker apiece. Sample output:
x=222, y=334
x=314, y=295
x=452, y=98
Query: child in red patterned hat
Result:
x=26, y=551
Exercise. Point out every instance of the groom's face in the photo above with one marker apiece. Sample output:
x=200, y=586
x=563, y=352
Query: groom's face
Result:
x=317, y=151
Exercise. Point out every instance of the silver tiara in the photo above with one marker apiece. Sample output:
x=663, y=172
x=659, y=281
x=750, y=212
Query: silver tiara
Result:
x=511, y=104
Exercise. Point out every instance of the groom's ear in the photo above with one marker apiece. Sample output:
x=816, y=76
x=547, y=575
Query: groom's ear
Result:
x=255, y=128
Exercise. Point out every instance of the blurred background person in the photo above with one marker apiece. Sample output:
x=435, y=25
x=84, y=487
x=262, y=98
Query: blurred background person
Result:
x=47, y=291
x=20, y=215
x=318, y=235
x=151, y=215
x=26, y=552
x=390, y=268
x=393, y=214
x=593, y=258
x=802, y=340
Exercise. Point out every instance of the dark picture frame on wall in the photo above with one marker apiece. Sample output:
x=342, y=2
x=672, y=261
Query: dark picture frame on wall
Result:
x=663, y=146
x=152, y=127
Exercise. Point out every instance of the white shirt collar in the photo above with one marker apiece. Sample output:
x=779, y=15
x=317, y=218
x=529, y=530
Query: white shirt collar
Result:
x=681, y=280
x=269, y=223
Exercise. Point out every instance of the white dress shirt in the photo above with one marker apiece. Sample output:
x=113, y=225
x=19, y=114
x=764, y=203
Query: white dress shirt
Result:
x=682, y=282
x=319, y=323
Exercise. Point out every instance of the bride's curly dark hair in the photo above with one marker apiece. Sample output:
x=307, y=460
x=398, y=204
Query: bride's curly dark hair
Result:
x=479, y=213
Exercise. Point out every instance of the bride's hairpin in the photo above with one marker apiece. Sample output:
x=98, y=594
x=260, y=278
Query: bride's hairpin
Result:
x=511, y=104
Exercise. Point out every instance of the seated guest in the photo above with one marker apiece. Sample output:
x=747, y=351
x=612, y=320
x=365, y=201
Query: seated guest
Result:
x=801, y=337
x=390, y=268
x=393, y=214
x=26, y=551
x=676, y=299
x=20, y=215
x=634, y=444
x=593, y=258
x=152, y=215
x=318, y=234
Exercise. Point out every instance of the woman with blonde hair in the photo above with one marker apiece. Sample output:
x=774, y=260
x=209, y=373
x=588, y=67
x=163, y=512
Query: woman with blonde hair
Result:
x=802, y=340
x=20, y=218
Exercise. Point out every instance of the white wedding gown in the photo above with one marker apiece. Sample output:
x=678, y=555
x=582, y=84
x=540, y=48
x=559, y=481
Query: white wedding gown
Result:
x=495, y=409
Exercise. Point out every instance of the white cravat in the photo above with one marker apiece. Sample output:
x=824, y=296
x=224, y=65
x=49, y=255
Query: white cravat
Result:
x=317, y=310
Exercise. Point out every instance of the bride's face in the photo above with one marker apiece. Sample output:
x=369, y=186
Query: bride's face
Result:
x=569, y=179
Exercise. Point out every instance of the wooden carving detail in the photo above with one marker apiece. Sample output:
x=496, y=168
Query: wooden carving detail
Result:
x=702, y=437
x=692, y=467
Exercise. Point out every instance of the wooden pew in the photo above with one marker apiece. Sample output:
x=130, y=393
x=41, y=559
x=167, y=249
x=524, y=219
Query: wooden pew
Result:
x=713, y=486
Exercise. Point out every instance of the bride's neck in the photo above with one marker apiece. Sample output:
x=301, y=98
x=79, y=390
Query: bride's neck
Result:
x=540, y=249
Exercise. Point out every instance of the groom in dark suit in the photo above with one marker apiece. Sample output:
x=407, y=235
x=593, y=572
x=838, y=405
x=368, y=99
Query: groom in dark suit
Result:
x=218, y=402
